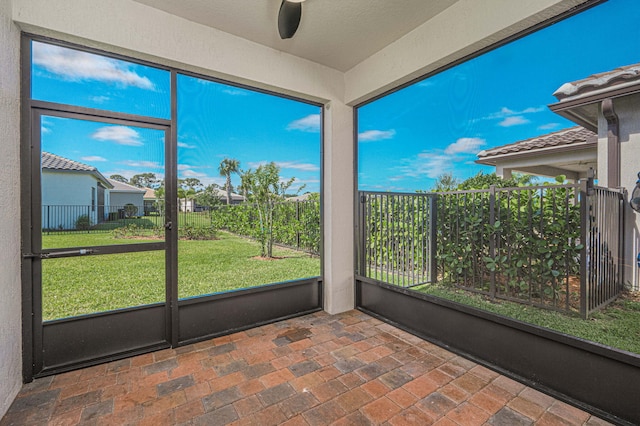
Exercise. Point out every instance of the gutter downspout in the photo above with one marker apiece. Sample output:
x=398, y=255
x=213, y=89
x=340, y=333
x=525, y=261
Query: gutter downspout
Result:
x=613, y=145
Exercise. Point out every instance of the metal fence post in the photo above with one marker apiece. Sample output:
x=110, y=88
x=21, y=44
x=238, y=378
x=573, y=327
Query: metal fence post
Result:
x=584, y=258
x=362, y=240
x=434, y=236
x=492, y=239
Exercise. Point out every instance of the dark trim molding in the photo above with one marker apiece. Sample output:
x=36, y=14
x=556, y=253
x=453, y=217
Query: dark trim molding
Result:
x=593, y=377
x=613, y=147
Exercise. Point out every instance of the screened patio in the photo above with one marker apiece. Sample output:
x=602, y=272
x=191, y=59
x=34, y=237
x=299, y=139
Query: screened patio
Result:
x=337, y=346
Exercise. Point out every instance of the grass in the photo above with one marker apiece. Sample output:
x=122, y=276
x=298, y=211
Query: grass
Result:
x=617, y=326
x=82, y=285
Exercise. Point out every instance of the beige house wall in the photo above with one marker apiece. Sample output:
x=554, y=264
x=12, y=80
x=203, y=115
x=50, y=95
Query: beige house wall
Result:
x=10, y=289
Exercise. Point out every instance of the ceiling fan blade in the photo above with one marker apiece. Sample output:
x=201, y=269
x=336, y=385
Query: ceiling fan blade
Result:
x=289, y=18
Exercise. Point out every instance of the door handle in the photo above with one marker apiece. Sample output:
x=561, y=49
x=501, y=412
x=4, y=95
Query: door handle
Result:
x=54, y=254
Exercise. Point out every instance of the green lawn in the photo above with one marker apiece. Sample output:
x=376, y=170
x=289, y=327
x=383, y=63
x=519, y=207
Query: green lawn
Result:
x=617, y=326
x=82, y=285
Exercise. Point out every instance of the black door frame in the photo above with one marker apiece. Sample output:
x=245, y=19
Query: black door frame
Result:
x=106, y=335
x=186, y=321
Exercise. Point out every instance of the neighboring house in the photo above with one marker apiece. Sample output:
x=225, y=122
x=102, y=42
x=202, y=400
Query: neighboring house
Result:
x=123, y=194
x=150, y=201
x=71, y=190
x=570, y=152
x=607, y=106
x=190, y=205
x=303, y=197
x=235, y=198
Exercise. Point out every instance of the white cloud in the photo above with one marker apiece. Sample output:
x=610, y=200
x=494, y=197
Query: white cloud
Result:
x=189, y=166
x=434, y=163
x=45, y=126
x=548, y=126
x=376, y=135
x=188, y=173
x=515, y=120
x=100, y=99
x=75, y=65
x=122, y=135
x=306, y=167
x=310, y=123
x=93, y=158
x=506, y=112
x=256, y=164
x=185, y=145
x=465, y=146
x=236, y=92
x=145, y=164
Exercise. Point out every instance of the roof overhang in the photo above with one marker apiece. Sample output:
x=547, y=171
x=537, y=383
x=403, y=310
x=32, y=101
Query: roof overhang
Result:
x=573, y=161
x=583, y=109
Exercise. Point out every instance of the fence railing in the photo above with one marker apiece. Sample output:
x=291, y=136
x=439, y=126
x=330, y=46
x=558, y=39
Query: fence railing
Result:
x=296, y=224
x=521, y=244
x=603, y=256
x=96, y=218
x=557, y=247
x=397, y=241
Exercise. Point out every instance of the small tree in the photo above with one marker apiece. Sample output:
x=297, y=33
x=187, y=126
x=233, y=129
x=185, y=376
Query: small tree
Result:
x=208, y=197
x=228, y=166
x=187, y=189
x=144, y=180
x=265, y=189
x=446, y=182
x=119, y=178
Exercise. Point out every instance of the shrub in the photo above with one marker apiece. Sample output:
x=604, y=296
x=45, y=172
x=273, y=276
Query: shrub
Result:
x=130, y=210
x=83, y=222
x=190, y=232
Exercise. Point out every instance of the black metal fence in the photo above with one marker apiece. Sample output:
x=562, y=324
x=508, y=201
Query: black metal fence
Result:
x=603, y=257
x=397, y=242
x=520, y=244
x=296, y=223
x=96, y=218
x=557, y=247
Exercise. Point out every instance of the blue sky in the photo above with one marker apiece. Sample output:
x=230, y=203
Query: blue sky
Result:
x=214, y=121
x=406, y=139
x=438, y=125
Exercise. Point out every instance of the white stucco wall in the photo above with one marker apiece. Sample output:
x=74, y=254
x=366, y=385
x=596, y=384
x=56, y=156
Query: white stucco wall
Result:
x=628, y=110
x=10, y=292
x=338, y=200
x=69, y=195
x=119, y=199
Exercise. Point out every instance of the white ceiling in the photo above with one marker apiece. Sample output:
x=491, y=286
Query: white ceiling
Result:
x=335, y=33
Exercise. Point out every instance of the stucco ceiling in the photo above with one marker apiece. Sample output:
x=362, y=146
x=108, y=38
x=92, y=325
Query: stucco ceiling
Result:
x=335, y=33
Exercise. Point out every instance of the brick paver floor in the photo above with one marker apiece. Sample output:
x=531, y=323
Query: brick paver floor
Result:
x=347, y=369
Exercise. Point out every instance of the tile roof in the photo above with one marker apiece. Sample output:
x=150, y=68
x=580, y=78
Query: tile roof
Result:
x=124, y=187
x=149, y=194
x=571, y=136
x=51, y=161
x=629, y=74
x=55, y=162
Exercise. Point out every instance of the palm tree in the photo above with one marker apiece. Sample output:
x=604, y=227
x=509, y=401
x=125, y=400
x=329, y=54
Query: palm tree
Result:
x=228, y=166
